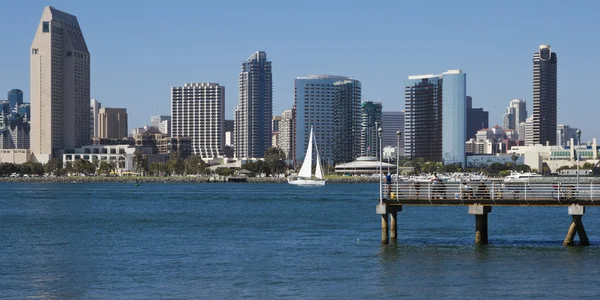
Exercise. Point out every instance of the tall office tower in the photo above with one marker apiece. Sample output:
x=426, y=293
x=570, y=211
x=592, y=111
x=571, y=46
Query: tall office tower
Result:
x=371, y=120
x=331, y=105
x=112, y=123
x=521, y=131
x=393, y=121
x=163, y=123
x=435, y=117
x=59, y=85
x=564, y=134
x=477, y=119
x=516, y=113
x=15, y=98
x=95, y=106
x=544, y=96
x=254, y=112
x=198, y=112
x=286, y=134
x=529, y=139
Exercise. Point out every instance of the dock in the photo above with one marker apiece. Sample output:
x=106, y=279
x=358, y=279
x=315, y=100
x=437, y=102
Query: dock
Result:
x=480, y=197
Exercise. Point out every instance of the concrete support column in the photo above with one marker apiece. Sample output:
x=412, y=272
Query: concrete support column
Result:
x=394, y=225
x=576, y=212
x=384, y=230
x=481, y=222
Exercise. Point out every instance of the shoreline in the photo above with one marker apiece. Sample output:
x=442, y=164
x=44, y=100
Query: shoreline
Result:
x=171, y=179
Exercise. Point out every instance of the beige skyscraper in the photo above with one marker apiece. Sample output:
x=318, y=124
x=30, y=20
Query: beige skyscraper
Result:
x=112, y=123
x=59, y=85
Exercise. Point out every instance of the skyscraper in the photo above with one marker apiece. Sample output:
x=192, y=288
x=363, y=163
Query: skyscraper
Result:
x=516, y=113
x=254, y=112
x=286, y=134
x=59, y=85
x=112, y=123
x=15, y=98
x=331, y=105
x=163, y=123
x=393, y=121
x=371, y=120
x=544, y=96
x=477, y=118
x=435, y=119
x=198, y=112
x=95, y=106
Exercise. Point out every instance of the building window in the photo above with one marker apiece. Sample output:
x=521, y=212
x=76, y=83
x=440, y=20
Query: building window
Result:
x=45, y=26
x=34, y=51
x=69, y=53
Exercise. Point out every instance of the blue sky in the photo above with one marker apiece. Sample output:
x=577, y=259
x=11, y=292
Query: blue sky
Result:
x=140, y=49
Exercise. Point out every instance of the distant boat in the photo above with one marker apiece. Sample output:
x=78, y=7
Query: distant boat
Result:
x=305, y=176
x=520, y=177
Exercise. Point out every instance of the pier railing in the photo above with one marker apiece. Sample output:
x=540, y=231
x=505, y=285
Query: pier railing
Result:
x=492, y=193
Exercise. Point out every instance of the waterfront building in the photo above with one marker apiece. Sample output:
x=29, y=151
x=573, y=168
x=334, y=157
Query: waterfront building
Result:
x=435, y=117
x=477, y=118
x=95, y=106
x=553, y=157
x=544, y=96
x=112, y=123
x=228, y=125
x=60, y=86
x=393, y=121
x=331, y=105
x=15, y=125
x=275, y=127
x=371, y=120
x=286, y=134
x=254, y=112
x=120, y=156
x=198, y=112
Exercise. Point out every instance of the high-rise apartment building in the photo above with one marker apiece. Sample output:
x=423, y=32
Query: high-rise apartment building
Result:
x=275, y=128
x=286, y=134
x=95, y=106
x=435, y=120
x=112, y=123
x=15, y=98
x=564, y=134
x=254, y=112
x=59, y=85
x=392, y=122
x=228, y=128
x=529, y=129
x=544, y=96
x=15, y=126
x=198, y=112
x=477, y=119
x=371, y=120
x=331, y=105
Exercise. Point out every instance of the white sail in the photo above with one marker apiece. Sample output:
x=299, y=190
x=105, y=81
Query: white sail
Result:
x=305, y=170
x=318, y=171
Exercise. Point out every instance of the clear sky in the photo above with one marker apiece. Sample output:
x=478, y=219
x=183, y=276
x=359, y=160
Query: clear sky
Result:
x=139, y=49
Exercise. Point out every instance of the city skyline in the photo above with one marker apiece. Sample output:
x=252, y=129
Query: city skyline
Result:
x=512, y=39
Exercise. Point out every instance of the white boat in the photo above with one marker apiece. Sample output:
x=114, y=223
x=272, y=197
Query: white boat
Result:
x=521, y=177
x=305, y=176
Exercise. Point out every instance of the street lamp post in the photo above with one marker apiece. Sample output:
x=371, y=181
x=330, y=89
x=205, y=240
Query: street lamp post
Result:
x=380, y=133
x=578, y=132
x=398, y=135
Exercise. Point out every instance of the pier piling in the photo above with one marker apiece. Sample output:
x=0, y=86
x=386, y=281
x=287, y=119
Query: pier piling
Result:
x=576, y=226
x=389, y=221
x=481, y=222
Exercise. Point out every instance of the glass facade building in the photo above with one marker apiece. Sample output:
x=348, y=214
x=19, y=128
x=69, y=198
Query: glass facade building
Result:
x=371, y=120
x=15, y=98
x=331, y=104
x=435, y=120
x=544, y=96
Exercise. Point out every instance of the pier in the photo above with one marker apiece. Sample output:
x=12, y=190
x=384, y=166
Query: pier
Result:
x=480, y=197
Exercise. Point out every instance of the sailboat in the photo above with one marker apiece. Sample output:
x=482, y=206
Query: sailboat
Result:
x=305, y=176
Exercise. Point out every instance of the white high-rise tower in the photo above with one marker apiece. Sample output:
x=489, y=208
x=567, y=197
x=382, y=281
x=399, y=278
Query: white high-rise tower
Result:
x=59, y=85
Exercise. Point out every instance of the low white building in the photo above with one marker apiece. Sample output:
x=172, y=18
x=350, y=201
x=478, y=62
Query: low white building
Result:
x=121, y=155
x=557, y=156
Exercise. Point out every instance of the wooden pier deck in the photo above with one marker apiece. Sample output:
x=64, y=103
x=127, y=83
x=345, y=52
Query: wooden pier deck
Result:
x=480, y=197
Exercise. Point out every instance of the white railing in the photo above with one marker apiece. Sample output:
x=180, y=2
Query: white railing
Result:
x=492, y=191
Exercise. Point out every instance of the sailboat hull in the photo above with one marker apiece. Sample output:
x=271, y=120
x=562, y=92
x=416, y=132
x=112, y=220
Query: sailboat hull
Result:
x=306, y=182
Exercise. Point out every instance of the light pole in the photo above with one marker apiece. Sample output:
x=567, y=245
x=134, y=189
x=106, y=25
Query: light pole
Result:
x=398, y=135
x=578, y=132
x=380, y=133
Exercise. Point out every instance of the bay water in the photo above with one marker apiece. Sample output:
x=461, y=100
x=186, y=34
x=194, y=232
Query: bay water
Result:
x=276, y=241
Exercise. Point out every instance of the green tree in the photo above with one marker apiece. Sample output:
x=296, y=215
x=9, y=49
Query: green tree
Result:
x=83, y=166
x=54, y=167
x=104, y=168
x=140, y=162
x=6, y=169
x=175, y=164
x=36, y=167
x=158, y=169
x=194, y=165
x=274, y=161
x=68, y=169
x=95, y=163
